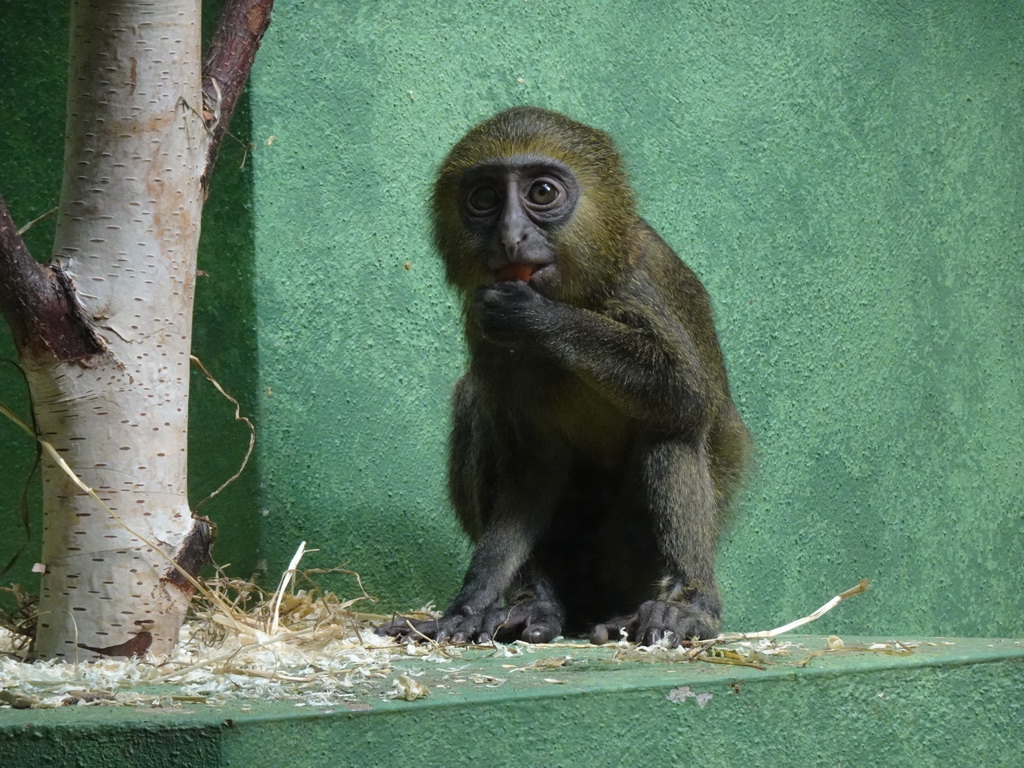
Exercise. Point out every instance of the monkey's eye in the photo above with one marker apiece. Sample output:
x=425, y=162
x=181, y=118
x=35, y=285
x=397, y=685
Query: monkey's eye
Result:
x=542, y=193
x=483, y=199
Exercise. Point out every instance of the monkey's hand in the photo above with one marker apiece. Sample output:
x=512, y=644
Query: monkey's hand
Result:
x=658, y=620
x=510, y=312
x=533, y=621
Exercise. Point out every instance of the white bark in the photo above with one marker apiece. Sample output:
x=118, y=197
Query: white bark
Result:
x=127, y=236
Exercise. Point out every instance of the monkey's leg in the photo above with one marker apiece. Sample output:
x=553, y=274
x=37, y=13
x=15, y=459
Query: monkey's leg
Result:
x=525, y=493
x=673, y=619
x=505, y=482
x=678, y=490
x=471, y=469
x=477, y=614
x=527, y=485
x=501, y=549
x=533, y=615
x=536, y=616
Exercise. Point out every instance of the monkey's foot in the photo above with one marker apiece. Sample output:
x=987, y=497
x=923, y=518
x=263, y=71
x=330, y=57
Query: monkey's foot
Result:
x=658, y=620
x=533, y=621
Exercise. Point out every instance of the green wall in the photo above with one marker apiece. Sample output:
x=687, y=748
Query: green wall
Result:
x=845, y=177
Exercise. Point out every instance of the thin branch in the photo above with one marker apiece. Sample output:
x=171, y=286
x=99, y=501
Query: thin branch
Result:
x=37, y=220
x=731, y=637
x=227, y=65
x=38, y=302
x=23, y=504
x=238, y=417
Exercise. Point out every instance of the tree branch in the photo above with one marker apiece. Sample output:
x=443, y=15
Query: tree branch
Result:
x=38, y=302
x=227, y=65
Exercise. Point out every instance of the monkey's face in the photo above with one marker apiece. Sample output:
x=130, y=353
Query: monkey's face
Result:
x=535, y=197
x=512, y=209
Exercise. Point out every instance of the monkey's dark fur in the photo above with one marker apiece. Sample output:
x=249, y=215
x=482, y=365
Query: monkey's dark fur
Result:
x=595, y=445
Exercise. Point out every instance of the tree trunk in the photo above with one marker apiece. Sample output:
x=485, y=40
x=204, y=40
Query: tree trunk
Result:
x=104, y=331
x=127, y=238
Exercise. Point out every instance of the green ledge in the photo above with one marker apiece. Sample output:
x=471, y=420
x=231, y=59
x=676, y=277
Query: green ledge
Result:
x=948, y=702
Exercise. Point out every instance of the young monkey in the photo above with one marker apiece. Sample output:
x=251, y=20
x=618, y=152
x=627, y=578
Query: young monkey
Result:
x=595, y=445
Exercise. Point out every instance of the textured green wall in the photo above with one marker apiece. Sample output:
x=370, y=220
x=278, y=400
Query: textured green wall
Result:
x=845, y=177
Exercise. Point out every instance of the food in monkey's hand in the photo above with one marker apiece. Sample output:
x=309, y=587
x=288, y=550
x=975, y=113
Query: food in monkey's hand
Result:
x=514, y=271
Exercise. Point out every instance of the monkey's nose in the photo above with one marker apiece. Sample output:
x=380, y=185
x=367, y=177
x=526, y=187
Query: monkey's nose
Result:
x=512, y=230
x=512, y=240
x=512, y=247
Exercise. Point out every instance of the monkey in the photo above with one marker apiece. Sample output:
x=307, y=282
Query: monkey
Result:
x=595, y=446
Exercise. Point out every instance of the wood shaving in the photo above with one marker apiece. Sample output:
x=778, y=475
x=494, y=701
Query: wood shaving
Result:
x=314, y=649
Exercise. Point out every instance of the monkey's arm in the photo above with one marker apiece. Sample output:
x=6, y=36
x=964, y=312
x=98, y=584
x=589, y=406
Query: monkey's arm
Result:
x=649, y=365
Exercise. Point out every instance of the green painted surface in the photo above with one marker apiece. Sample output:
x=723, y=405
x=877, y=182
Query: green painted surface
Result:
x=955, y=704
x=845, y=177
